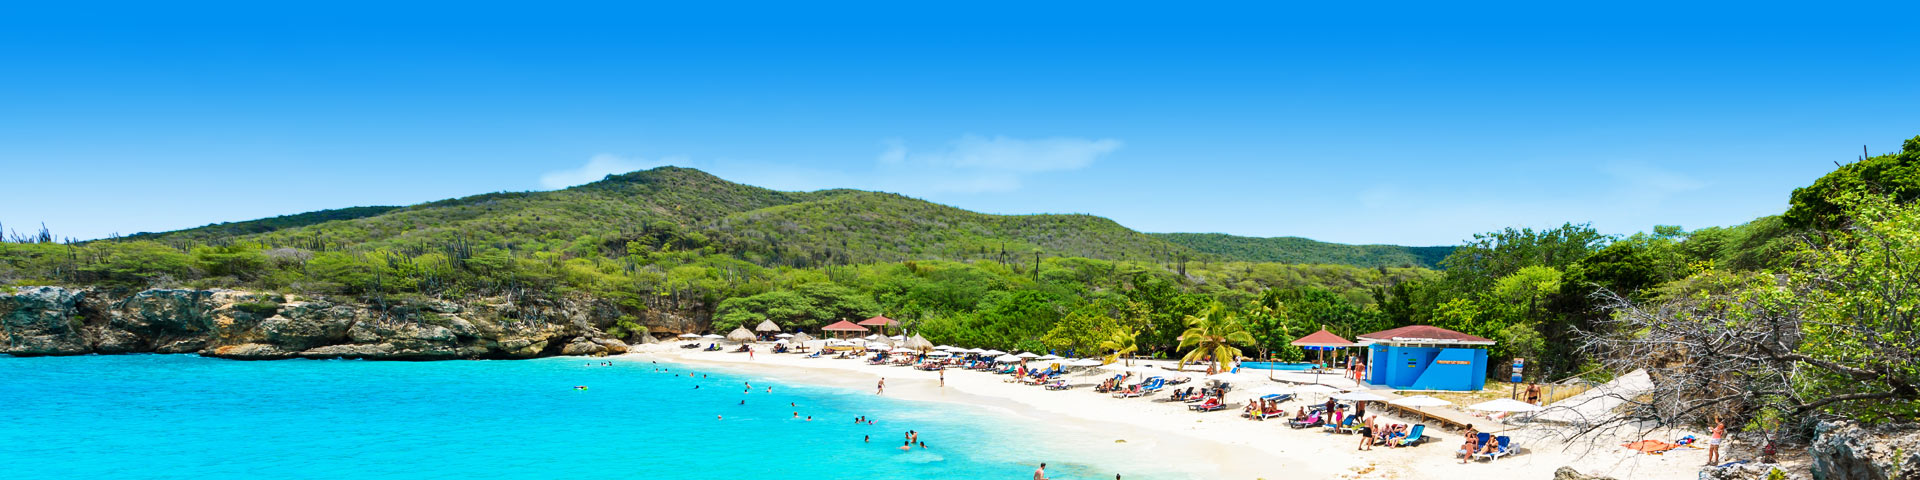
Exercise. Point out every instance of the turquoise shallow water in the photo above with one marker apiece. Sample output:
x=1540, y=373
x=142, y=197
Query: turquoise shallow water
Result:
x=182, y=416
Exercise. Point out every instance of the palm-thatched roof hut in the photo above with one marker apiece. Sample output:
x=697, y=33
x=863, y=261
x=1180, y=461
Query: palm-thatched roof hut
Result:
x=767, y=326
x=741, y=334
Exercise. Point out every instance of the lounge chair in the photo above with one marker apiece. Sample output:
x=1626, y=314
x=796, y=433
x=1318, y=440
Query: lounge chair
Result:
x=1345, y=426
x=1058, y=385
x=1413, y=436
x=1207, y=406
x=1309, y=422
x=813, y=355
x=1128, y=392
x=1154, y=384
x=1503, y=447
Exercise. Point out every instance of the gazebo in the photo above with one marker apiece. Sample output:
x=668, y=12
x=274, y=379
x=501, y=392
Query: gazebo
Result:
x=880, y=321
x=1322, y=341
x=842, y=328
x=1425, y=357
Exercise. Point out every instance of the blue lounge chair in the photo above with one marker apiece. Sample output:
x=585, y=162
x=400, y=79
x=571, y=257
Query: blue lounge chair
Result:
x=1504, y=447
x=1345, y=426
x=1413, y=436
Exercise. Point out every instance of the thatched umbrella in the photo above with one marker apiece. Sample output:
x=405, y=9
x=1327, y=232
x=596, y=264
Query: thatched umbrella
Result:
x=741, y=334
x=917, y=342
x=1323, y=341
x=767, y=326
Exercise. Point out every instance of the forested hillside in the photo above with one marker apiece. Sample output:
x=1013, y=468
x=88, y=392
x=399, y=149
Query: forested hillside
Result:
x=1303, y=250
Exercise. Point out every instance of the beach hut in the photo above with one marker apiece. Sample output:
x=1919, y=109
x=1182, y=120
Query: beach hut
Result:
x=741, y=335
x=844, y=328
x=1425, y=357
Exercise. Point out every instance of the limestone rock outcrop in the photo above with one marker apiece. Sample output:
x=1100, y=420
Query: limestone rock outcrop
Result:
x=245, y=325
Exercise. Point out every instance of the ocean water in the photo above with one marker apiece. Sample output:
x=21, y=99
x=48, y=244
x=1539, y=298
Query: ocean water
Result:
x=184, y=416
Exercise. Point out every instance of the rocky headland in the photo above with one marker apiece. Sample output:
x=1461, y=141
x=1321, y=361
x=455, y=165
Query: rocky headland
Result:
x=260, y=326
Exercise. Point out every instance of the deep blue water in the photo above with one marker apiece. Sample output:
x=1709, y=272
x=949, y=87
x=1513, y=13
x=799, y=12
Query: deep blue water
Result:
x=183, y=416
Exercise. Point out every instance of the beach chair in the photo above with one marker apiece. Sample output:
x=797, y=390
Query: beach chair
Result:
x=1153, y=385
x=1127, y=392
x=1503, y=446
x=1345, y=426
x=1207, y=406
x=1309, y=422
x=1058, y=385
x=1414, y=436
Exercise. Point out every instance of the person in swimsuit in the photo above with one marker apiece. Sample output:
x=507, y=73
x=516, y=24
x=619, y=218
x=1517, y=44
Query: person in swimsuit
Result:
x=1713, y=444
x=1366, y=435
x=1040, y=473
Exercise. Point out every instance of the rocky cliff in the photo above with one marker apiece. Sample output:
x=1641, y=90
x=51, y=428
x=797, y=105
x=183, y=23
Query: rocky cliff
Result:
x=243, y=325
x=1848, y=451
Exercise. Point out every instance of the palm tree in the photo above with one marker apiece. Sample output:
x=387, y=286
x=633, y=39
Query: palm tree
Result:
x=1123, y=342
x=1214, y=333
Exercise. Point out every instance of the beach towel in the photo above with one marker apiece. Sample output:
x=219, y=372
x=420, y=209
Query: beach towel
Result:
x=1650, y=447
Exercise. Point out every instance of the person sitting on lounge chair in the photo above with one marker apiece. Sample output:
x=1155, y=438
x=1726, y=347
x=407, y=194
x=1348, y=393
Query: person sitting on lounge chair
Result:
x=1300, y=416
x=1466, y=449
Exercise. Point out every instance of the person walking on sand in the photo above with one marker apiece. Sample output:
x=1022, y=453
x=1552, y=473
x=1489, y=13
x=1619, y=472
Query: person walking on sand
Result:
x=881, y=387
x=1713, y=444
x=943, y=378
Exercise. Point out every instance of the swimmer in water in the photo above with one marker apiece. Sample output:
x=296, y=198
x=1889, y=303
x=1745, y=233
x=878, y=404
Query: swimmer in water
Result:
x=719, y=417
x=907, y=446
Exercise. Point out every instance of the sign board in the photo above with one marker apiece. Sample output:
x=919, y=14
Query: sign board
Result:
x=1516, y=378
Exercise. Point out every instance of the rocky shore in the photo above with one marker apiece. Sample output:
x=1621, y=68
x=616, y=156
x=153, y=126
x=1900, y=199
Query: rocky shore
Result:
x=257, y=326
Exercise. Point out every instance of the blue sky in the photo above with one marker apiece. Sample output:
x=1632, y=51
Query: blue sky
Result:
x=1379, y=123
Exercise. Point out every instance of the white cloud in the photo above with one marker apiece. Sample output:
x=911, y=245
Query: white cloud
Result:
x=598, y=167
x=975, y=163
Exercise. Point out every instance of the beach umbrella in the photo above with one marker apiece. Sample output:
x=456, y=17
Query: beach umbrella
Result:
x=896, y=338
x=1360, y=397
x=917, y=342
x=767, y=326
x=991, y=352
x=741, y=334
x=872, y=337
x=780, y=342
x=946, y=348
x=689, y=335
x=1027, y=355
x=784, y=335
x=1506, y=405
x=1008, y=358
x=1084, y=362
x=1323, y=341
x=939, y=354
x=1048, y=357
x=711, y=337
x=801, y=337
x=1418, y=401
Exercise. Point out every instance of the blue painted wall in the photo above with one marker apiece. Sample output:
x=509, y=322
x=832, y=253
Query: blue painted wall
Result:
x=1422, y=368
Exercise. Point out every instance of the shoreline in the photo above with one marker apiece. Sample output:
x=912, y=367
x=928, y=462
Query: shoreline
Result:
x=1145, y=428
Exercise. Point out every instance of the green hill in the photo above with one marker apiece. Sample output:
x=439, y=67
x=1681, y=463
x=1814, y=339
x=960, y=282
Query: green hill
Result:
x=1302, y=250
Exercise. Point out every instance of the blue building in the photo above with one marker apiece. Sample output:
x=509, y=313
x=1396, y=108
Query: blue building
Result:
x=1425, y=357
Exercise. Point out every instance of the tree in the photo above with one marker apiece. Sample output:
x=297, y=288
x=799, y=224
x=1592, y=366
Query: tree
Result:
x=1082, y=330
x=1820, y=206
x=1123, y=342
x=1214, y=334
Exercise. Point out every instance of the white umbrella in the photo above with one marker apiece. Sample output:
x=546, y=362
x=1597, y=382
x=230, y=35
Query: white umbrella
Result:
x=784, y=335
x=1027, y=355
x=939, y=354
x=1360, y=397
x=1418, y=401
x=712, y=337
x=1048, y=357
x=1229, y=377
x=897, y=337
x=1007, y=358
x=780, y=342
x=1506, y=405
x=903, y=350
x=946, y=348
x=1084, y=362
x=1314, y=388
x=990, y=352
x=689, y=335
x=873, y=337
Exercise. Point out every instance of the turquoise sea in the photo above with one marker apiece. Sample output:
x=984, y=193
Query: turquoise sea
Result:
x=184, y=416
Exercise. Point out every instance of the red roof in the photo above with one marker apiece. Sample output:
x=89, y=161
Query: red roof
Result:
x=1424, y=334
x=844, y=326
x=879, y=320
x=1322, y=338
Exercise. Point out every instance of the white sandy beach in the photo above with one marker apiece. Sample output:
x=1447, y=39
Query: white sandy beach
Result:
x=1239, y=448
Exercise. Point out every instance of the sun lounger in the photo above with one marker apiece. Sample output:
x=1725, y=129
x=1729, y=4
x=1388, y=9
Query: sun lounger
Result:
x=1502, y=448
x=1058, y=385
x=1207, y=406
x=1414, y=436
x=1128, y=392
x=1345, y=426
x=1309, y=422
